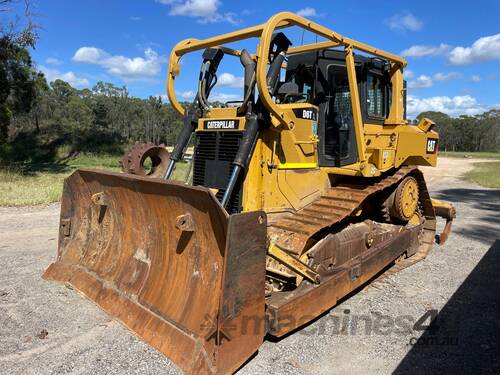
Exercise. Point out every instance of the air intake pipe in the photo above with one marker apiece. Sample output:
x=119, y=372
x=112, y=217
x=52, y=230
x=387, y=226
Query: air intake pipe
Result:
x=273, y=74
x=252, y=126
x=249, y=85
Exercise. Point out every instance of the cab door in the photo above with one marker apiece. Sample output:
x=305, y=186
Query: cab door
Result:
x=337, y=142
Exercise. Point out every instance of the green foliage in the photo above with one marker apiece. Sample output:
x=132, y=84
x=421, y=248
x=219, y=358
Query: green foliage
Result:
x=41, y=183
x=467, y=133
x=17, y=76
x=17, y=82
x=37, y=118
x=101, y=120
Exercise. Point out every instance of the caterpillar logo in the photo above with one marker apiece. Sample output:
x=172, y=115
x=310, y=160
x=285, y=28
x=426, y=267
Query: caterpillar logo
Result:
x=221, y=124
x=431, y=145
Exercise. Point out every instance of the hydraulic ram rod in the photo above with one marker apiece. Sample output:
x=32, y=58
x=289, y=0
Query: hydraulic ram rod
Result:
x=243, y=156
x=190, y=123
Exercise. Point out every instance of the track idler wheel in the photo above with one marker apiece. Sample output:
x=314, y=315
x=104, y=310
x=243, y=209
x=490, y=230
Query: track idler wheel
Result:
x=402, y=204
x=145, y=159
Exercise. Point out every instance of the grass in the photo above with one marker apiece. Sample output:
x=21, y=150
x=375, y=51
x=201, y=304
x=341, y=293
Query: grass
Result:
x=23, y=185
x=17, y=189
x=486, y=174
x=476, y=155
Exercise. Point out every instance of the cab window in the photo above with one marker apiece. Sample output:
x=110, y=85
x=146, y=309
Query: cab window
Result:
x=376, y=96
x=303, y=78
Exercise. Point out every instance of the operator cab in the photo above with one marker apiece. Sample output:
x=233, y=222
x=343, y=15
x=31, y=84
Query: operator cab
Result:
x=320, y=78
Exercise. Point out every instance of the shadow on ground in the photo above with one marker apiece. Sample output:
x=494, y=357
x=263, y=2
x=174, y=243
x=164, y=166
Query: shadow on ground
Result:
x=464, y=338
x=487, y=200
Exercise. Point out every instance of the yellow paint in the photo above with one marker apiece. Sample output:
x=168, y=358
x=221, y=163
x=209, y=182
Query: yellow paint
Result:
x=292, y=263
x=409, y=198
x=265, y=32
x=284, y=172
x=297, y=166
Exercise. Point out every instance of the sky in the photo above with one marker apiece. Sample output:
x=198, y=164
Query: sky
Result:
x=452, y=47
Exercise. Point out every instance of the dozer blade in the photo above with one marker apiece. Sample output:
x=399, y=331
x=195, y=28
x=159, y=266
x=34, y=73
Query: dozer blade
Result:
x=168, y=262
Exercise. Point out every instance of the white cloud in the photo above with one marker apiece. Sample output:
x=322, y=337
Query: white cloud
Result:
x=186, y=94
x=307, y=12
x=424, y=81
x=53, y=61
x=483, y=49
x=453, y=106
x=405, y=21
x=128, y=68
x=222, y=97
x=230, y=80
x=421, y=82
x=475, y=78
x=205, y=11
x=135, y=18
x=409, y=73
x=53, y=74
x=90, y=55
x=214, y=96
x=195, y=8
x=447, y=76
x=421, y=50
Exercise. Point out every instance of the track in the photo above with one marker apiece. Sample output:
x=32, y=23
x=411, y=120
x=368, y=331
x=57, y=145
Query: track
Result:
x=295, y=231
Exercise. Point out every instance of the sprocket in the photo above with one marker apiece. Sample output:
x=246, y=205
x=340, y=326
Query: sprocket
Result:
x=134, y=159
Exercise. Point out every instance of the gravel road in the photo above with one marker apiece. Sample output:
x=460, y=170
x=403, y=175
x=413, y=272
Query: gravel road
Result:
x=46, y=328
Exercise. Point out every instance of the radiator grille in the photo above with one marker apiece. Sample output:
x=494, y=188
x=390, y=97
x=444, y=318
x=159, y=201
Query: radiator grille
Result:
x=214, y=152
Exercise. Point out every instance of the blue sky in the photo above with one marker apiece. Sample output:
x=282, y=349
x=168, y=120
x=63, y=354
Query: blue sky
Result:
x=452, y=47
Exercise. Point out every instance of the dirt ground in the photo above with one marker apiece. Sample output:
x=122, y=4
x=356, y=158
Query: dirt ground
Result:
x=46, y=328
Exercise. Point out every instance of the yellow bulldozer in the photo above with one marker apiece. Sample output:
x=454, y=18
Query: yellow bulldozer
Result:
x=300, y=193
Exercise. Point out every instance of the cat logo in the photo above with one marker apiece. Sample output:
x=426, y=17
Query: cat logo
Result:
x=431, y=146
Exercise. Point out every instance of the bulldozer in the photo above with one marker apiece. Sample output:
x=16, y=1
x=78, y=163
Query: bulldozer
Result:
x=300, y=193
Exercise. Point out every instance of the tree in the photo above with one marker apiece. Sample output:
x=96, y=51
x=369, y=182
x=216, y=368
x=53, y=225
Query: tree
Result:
x=17, y=83
x=17, y=76
x=467, y=133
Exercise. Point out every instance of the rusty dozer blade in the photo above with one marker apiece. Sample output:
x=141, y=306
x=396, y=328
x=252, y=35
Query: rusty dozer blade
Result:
x=168, y=262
